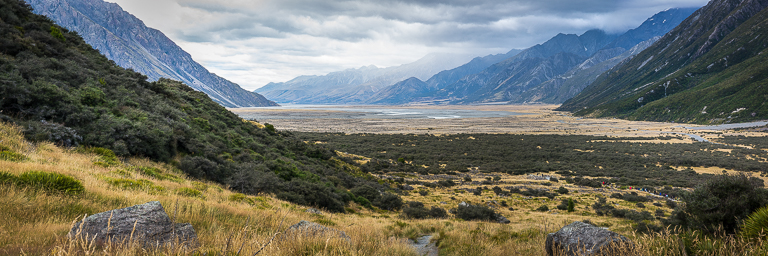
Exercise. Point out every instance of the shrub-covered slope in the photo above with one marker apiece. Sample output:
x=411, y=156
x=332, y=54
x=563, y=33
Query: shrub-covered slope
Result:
x=710, y=69
x=62, y=90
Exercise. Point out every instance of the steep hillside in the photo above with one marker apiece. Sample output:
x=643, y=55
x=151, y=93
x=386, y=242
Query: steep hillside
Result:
x=709, y=69
x=545, y=80
x=569, y=84
x=62, y=90
x=125, y=39
x=356, y=85
x=527, y=69
x=407, y=90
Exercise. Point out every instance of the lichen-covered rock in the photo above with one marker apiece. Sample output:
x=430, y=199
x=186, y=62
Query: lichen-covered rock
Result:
x=580, y=238
x=502, y=219
x=314, y=211
x=147, y=224
x=308, y=228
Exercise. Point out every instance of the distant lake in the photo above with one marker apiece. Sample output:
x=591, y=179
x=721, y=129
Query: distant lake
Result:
x=363, y=112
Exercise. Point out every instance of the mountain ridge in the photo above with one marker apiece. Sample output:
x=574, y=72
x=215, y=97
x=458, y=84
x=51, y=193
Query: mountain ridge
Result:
x=126, y=40
x=706, y=70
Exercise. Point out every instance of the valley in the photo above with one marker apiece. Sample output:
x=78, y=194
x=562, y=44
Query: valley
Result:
x=522, y=119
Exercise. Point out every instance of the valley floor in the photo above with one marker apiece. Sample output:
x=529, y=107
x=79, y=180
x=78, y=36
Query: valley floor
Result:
x=536, y=119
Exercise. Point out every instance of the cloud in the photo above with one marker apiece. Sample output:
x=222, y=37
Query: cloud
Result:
x=253, y=42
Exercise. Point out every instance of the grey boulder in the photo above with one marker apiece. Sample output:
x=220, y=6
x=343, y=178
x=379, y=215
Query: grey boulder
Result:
x=580, y=238
x=307, y=228
x=147, y=224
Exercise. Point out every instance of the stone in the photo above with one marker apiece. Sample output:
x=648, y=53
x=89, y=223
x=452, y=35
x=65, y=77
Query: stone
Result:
x=314, y=211
x=502, y=219
x=308, y=228
x=464, y=204
x=147, y=224
x=580, y=238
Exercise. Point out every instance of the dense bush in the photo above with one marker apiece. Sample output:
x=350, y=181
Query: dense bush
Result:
x=475, y=212
x=724, y=202
x=416, y=210
x=389, y=201
x=630, y=163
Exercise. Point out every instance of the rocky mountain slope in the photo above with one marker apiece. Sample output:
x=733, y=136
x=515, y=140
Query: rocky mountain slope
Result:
x=356, y=85
x=125, y=39
x=391, y=95
x=541, y=74
x=709, y=69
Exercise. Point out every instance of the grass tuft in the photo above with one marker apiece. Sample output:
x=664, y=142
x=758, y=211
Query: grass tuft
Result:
x=53, y=182
x=189, y=192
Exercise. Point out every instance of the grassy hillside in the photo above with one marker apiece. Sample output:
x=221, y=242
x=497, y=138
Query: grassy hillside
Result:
x=710, y=69
x=59, y=89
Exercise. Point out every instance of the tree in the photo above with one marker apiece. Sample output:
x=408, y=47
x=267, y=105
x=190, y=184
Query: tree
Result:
x=571, y=205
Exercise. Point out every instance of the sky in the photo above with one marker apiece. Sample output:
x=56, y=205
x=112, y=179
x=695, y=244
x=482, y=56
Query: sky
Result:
x=254, y=42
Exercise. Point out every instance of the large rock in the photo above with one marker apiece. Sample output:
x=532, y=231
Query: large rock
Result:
x=580, y=238
x=307, y=228
x=147, y=224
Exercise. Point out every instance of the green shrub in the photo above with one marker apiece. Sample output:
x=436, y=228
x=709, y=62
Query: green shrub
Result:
x=562, y=190
x=756, y=225
x=55, y=32
x=389, y=201
x=724, y=200
x=475, y=212
x=190, y=192
x=571, y=205
x=53, y=182
x=416, y=210
x=542, y=208
x=9, y=155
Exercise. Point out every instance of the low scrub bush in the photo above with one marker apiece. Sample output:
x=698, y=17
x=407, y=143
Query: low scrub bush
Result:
x=52, y=182
x=724, y=201
x=416, y=210
x=475, y=212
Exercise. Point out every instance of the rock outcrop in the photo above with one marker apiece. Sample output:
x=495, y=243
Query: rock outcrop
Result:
x=307, y=228
x=147, y=224
x=579, y=238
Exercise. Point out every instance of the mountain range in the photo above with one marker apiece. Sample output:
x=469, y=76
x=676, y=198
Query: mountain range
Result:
x=551, y=72
x=709, y=69
x=125, y=39
x=355, y=85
